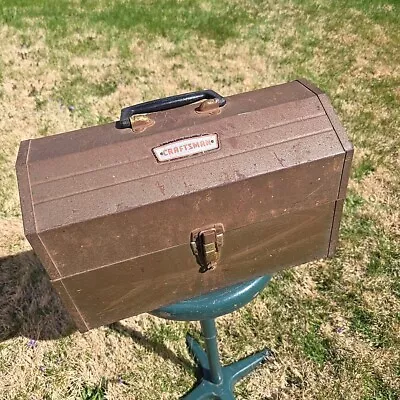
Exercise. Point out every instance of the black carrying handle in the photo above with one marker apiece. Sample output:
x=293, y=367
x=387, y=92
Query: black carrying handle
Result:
x=167, y=103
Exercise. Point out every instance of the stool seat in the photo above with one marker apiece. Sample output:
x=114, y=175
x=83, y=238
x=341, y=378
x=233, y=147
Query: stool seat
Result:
x=214, y=304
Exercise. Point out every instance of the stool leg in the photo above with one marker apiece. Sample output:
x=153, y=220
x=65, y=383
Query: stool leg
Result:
x=198, y=353
x=217, y=382
x=209, y=332
x=241, y=368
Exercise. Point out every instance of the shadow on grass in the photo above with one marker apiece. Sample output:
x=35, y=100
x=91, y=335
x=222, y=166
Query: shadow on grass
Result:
x=153, y=346
x=29, y=306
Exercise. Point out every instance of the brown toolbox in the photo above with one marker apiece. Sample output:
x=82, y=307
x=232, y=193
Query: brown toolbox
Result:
x=170, y=203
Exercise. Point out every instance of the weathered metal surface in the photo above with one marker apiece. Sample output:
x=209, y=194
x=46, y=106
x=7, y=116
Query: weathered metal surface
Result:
x=112, y=224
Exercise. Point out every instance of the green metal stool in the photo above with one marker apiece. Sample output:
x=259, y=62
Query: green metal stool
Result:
x=217, y=381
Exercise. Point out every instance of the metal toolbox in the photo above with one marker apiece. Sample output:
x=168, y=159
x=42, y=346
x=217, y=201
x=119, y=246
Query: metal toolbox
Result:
x=169, y=203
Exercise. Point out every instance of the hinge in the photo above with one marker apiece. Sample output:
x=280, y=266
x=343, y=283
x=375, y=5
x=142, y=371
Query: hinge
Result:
x=206, y=245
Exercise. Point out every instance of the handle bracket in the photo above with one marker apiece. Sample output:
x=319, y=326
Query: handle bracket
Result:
x=167, y=103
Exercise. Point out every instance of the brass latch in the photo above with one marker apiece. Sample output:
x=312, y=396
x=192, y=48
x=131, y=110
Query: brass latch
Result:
x=206, y=245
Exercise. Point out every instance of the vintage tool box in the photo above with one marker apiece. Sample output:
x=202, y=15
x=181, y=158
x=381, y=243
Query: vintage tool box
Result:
x=172, y=202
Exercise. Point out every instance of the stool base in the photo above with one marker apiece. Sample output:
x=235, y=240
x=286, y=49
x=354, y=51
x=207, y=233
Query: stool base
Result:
x=230, y=373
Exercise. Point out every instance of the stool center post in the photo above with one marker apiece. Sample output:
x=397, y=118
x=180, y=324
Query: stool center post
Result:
x=209, y=332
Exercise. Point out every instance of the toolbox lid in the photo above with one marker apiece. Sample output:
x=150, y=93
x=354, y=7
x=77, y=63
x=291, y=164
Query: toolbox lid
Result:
x=89, y=173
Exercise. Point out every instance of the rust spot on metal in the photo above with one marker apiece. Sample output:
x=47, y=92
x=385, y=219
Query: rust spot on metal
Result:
x=161, y=187
x=141, y=122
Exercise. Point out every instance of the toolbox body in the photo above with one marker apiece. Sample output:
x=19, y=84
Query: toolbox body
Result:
x=127, y=220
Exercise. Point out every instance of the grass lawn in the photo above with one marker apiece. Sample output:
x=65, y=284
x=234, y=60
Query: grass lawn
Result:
x=334, y=325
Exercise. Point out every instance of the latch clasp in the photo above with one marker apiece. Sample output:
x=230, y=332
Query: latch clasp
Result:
x=206, y=245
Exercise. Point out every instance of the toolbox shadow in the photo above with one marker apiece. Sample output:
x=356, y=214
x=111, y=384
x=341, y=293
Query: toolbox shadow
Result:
x=29, y=306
